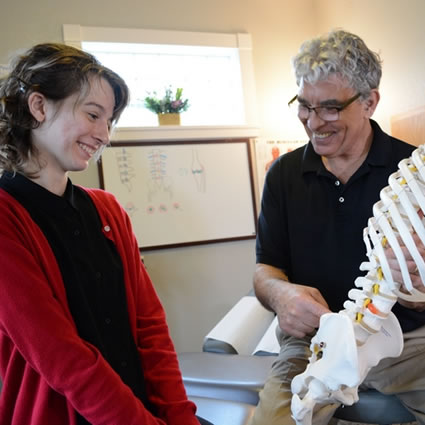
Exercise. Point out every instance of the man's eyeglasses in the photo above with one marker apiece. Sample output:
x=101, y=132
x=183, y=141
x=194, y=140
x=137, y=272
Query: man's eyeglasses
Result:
x=326, y=113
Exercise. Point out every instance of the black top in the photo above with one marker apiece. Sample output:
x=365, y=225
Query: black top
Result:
x=311, y=225
x=91, y=269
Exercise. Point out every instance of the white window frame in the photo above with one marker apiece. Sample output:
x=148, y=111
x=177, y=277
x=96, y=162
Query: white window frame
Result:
x=74, y=35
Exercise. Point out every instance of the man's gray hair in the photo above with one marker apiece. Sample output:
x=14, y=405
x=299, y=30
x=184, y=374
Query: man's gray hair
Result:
x=341, y=53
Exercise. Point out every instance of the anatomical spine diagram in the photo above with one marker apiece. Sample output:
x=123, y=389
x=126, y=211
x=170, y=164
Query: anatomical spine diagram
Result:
x=349, y=343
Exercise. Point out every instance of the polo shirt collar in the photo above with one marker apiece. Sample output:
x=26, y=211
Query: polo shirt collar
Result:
x=26, y=191
x=380, y=151
x=379, y=154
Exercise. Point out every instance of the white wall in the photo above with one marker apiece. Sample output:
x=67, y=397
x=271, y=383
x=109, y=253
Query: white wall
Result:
x=395, y=29
x=198, y=284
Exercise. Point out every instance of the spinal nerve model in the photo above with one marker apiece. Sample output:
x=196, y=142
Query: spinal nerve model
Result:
x=349, y=343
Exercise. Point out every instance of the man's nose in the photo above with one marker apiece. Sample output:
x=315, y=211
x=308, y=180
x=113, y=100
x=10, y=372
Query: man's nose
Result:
x=314, y=121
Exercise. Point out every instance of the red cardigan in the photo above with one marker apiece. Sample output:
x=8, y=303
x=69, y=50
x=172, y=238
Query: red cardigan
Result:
x=47, y=370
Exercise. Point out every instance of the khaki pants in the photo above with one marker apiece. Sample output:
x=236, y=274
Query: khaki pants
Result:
x=403, y=376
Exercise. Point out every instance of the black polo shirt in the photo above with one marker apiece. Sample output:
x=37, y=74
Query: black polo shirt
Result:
x=91, y=269
x=311, y=225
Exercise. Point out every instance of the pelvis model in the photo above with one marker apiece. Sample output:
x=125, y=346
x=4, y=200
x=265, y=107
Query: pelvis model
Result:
x=349, y=343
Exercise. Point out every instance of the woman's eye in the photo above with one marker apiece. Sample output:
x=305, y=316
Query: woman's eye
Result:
x=93, y=116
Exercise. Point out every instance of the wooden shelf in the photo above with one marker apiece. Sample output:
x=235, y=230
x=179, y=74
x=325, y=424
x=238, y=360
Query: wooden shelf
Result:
x=171, y=132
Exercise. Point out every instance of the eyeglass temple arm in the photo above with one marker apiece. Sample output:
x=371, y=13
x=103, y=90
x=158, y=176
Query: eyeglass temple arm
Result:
x=293, y=100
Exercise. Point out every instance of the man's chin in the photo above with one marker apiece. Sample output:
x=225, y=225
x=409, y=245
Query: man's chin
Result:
x=323, y=149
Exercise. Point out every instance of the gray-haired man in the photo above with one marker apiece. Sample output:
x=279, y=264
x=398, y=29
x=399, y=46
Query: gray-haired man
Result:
x=316, y=202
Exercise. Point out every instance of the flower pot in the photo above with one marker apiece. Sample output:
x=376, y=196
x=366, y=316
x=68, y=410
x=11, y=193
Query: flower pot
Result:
x=169, y=119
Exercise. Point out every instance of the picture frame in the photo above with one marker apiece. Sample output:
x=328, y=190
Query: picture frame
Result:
x=180, y=193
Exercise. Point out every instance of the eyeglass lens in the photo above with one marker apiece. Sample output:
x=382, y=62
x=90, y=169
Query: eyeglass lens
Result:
x=324, y=113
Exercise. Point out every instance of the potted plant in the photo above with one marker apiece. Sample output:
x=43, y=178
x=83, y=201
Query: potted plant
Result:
x=168, y=107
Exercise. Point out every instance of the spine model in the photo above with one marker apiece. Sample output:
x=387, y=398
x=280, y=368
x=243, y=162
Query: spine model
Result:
x=349, y=343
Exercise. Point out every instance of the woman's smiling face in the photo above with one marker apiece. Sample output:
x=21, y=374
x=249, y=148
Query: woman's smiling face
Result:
x=70, y=134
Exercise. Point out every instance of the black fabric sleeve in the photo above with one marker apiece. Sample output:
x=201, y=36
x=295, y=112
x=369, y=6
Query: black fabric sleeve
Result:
x=272, y=246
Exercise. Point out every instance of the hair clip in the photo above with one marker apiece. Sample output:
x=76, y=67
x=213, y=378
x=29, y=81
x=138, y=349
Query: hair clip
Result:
x=22, y=85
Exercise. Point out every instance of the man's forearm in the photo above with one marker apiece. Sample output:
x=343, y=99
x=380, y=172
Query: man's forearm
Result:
x=269, y=284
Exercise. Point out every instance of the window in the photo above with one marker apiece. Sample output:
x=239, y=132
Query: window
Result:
x=214, y=70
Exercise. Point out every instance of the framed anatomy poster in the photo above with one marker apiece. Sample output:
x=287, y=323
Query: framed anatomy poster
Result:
x=183, y=193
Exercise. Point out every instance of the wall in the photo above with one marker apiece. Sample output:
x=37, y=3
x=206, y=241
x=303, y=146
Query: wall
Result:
x=394, y=28
x=197, y=285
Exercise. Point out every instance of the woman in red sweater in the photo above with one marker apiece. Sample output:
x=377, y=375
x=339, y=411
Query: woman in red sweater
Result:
x=83, y=336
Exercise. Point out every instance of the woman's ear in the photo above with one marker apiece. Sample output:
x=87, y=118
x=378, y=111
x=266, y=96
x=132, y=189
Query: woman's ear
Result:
x=37, y=105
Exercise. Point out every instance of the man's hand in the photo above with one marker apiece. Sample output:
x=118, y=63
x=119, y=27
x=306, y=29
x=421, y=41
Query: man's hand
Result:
x=300, y=309
x=414, y=275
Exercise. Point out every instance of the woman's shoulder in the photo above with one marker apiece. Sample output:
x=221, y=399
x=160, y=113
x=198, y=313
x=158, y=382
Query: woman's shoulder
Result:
x=106, y=203
x=100, y=195
x=9, y=205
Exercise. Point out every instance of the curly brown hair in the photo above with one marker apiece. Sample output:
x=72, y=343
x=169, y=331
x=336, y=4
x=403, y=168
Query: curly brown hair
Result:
x=57, y=71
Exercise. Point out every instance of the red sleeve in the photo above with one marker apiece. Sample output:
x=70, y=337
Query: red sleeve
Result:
x=34, y=315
